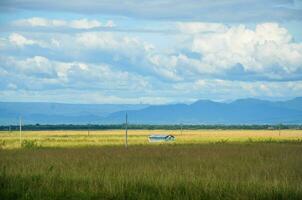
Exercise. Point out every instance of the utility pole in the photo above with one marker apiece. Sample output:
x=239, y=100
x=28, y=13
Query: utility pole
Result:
x=20, y=131
x=126, y=133
x=180, y=128
x=279, y=129
x=88, y=130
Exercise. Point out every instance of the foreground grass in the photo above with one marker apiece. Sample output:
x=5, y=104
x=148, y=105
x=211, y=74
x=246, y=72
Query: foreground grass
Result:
x=173, y=171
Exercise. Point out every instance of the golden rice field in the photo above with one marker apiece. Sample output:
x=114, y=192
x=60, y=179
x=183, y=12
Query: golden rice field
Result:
x=10, y=140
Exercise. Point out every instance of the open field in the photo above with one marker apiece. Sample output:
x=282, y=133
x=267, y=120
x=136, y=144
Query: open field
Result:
x=196, y=171
x=9, y=140
x=201, y=164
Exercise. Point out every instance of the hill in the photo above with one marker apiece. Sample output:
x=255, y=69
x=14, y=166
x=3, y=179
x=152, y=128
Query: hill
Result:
x=59, y=113
x=241, y=111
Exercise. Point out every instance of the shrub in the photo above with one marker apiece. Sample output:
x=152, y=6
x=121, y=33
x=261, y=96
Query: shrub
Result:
x=2, y=144
x=29, y=144
x=222, y=141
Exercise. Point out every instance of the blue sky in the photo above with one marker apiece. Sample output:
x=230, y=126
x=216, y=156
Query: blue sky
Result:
x=139, y=51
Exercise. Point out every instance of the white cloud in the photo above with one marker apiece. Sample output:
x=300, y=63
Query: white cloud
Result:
x=268, y=46
x=76, y=24
x=20, y=40
x=40, y=72
x=212, y=61
x=97, y=40
x=111, y=42
x=55, y=43
x=218, y=89
x=38, y=21
x=36, y=66
x=268, y=50
x=85, y=24
x=165, y=66
x=35, y=21
x=199, y=27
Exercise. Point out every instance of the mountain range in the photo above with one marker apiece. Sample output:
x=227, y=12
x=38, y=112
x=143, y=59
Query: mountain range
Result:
x=241, y=111
x=59, y=113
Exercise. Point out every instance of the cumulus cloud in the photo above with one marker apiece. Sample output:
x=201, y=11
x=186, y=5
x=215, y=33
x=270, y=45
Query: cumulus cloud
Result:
x=76, y=24
x=38, y=72
x=111, y=41
x=129, y=50
x=20, y=40
x=266, y=52
x=200, y=60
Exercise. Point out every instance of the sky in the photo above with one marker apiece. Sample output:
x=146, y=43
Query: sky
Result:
x=150, y=52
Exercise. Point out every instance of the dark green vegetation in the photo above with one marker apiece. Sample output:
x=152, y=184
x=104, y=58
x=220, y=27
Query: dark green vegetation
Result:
x=39, y=127
x=201, y=171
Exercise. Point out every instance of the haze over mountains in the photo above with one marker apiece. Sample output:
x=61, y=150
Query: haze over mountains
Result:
x=59, y=113
x=242, y=111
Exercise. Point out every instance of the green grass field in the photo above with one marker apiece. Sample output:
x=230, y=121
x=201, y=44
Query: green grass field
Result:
x=201, y=164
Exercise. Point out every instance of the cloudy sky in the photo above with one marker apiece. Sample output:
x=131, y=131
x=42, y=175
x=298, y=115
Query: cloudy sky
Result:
x=142, y=51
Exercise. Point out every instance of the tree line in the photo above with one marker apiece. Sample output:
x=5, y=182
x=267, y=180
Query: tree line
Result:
x=40, y=127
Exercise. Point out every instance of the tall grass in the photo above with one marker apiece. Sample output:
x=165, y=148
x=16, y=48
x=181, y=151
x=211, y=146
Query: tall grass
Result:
x=200, y=171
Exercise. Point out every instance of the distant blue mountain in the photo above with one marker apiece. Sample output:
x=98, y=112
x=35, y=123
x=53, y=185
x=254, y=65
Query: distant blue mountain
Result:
x=291, y=104
x=241, y=111
x=59, y=113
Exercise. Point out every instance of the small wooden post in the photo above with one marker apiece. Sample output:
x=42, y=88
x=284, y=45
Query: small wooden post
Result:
x=20, y=131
